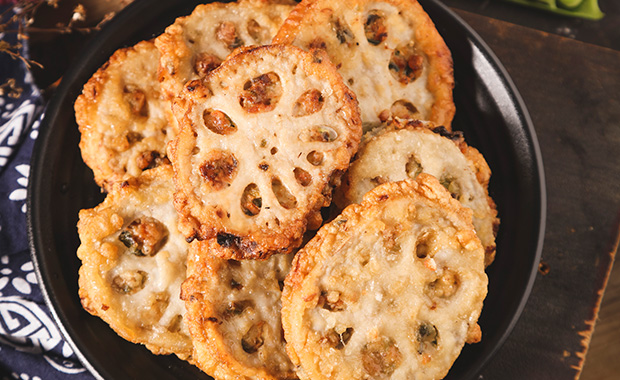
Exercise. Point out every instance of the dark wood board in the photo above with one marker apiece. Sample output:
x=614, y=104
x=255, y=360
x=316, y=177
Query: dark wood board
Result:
x=572, y=92
x=602, y=359
x=603, y=32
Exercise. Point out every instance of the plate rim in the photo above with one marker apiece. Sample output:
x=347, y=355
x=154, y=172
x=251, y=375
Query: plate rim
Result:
x=52, y=110
x=526, y=120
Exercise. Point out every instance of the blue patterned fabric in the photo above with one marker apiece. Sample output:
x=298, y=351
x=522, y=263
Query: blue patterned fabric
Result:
x=31, y=345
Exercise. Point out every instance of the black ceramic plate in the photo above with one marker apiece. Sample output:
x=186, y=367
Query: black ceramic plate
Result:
x=489, y=111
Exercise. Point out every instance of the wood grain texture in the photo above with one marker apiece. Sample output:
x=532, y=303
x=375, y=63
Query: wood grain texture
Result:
x=602, y=358
x=571, y=91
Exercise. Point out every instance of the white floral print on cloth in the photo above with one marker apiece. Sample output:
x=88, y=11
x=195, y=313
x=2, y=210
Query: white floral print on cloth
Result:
x=19, y=194
x=22, y=284
x=31, y=344
x=16, y=120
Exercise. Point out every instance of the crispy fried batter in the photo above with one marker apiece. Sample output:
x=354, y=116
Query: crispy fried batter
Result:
x=196, y=44
x=392, y=288
x=133, y=263
x=387, y=51
x=122, y=117
x=233, y=312
x=412, y=147
x=249, y=171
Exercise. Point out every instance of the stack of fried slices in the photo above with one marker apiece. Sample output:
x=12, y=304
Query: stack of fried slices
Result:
x=221, y=144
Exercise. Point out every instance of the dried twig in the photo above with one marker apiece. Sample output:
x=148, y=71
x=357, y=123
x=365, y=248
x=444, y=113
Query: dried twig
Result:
x=10, y=89
x=20, y=17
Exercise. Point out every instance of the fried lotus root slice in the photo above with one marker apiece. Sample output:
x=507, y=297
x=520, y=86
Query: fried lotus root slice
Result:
x=196, y=44
x=387, y=51
x=413, y=147
x=133, y=263
x=233, y=312
x=391, y=288
x=251, y=169
x=123, y=119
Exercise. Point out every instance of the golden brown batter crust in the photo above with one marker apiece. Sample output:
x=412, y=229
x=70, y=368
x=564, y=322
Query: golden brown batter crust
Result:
x=392, y=288
x=263, y=139
x=122, y=117
x=133, y=263
x=412, y=147
x=233, y=313
x=387, y=51
x=196, y=44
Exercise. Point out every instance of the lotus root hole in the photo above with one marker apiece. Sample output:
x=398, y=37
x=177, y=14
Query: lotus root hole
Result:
x=452, y=185
x=256, y=31
x=129, y=282
x=319, y=133
x=251, y=201
x=342, y=30
x=375, y=27
x=338, y=338
x=218, y=122
x=331, y=300
x=253, y=339
x=205, y=63
x=308, y=103
x=175, y=324
x=283, y=195
x=262, y=93
x=404, y=109
x=303, y=177
x=413, y=167
x=406, y=64
x=226, y=33
x=236, y=308
x=219, y=169
x=315, y=158
x=446, y=285
x=134, y=137
x=136, y=100
x=423, y=249
x=427, y=337
x=233, y=265
x=381, y=357
x=150, y=159
x=158, y=303
x=144, y=236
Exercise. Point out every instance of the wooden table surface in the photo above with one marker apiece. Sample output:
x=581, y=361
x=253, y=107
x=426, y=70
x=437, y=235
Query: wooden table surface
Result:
x=572, y=92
